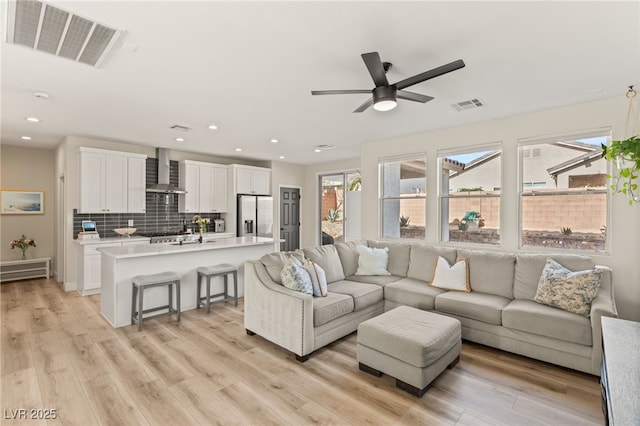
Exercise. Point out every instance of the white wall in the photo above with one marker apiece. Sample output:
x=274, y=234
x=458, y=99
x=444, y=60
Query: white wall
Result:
x=309, y=210
x=624, y=226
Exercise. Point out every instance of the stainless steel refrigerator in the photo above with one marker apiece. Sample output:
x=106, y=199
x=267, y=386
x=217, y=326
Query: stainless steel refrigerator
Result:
x=255, y=216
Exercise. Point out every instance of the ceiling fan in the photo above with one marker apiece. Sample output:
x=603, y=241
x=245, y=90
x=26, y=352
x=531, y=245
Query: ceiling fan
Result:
x=384, y=95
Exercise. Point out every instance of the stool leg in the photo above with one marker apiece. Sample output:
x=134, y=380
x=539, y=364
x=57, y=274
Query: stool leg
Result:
x=198, y=291
x=140, y=314
x=170, y=298
x=235, y=287
x=208, y=293
x=178, y=300
x=133, y=303
x=226, y=287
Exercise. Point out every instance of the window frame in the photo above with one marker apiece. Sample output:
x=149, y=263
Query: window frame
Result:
x=381, y=190
x=442, y=223
x=523, y=143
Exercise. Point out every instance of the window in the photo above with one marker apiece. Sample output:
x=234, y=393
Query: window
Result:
x=403, y=203
x=470, y=182
x=564, y=201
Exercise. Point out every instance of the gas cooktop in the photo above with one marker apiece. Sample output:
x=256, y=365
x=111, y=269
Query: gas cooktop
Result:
x=163, y=236
x=161, y=233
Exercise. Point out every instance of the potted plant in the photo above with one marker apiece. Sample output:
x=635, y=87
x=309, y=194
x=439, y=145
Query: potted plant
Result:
x=470, y=219
x=625, y=155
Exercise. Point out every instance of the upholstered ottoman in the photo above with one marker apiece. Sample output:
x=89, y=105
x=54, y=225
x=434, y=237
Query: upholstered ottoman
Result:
x=409, y=344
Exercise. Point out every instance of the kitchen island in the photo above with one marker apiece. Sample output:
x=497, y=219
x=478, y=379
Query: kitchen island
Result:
x=120, y=264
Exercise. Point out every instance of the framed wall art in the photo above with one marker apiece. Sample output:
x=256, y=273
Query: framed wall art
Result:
x=13, y=201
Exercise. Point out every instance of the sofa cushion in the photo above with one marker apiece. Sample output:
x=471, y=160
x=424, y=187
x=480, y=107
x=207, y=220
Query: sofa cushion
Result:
x=532, y=317
x=569, y=291
x=451, y=277
x=529, y=269
x=328, y=308
x=372, y=261
x=398, y=256
x=381, y=280
x=349, y=255
x=364, y=295
x=423, y=259
x=475, y=305
x=274, y=262
x=490, y=272
x=318, y=278
x=295, y=277
x=328, y=259
x=412, y=292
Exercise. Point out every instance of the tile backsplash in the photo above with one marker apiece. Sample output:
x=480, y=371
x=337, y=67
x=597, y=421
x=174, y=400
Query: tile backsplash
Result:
x=161, y=210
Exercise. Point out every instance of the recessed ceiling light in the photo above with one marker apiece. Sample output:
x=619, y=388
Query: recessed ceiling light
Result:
x=41, y=95
x=238, y=149
x=281, y=157
x=317, y=150
x=179, y=139
x=25, y=138
x=213, y=127
x=274, y=140
x=33, y=119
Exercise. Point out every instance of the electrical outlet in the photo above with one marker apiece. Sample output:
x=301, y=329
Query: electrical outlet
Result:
x=130, y=223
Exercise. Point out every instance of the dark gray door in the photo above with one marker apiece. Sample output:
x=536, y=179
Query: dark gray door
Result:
x=289, y=218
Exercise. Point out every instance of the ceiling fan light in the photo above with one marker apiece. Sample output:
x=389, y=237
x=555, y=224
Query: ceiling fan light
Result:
x=385, y=105
x=384, y=98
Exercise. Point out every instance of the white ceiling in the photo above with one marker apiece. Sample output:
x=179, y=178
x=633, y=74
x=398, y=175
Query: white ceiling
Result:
x=249, y=68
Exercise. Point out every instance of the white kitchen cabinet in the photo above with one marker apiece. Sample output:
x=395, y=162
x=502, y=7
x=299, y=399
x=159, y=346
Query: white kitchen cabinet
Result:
x=252, y=180
x=105, y=182
x=136, y=185
x=190, y=181
x=206, y=186
x=219, y=190
x=89, y=262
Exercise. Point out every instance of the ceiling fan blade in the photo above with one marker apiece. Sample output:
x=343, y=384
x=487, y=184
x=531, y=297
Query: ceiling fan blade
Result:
x=411, y=96
x=339, y=92
x=376, y=69
x=419, y=78
x=364, y=106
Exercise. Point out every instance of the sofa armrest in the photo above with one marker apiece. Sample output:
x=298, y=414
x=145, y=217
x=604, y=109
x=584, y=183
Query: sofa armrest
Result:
x=280, y=315
x=604, y=305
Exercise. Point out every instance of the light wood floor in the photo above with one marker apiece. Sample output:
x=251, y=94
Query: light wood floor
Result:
x=58, y=353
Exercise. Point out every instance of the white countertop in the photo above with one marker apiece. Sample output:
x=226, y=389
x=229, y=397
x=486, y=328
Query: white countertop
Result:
x=111, y=240
x=129, y=251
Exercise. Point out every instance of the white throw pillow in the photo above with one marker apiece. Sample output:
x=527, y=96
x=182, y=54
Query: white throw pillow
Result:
x=449, y=277
x=296, y=278
x=570, y=291
x=372, y=261
x=318, y=278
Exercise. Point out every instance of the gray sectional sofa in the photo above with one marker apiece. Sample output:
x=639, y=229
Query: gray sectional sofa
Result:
x=498, y=312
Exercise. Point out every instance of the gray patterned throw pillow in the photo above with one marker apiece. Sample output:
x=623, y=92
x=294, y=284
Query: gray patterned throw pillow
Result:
x=296, y=278
x=571, y=291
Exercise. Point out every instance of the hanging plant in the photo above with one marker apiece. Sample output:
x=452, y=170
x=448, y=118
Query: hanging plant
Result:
x=625, y=155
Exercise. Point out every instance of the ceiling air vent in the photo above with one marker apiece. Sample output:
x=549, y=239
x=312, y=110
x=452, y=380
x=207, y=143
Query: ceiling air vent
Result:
x=179, y=127
x=464, y=105
x=47, y=28
x=323, y=147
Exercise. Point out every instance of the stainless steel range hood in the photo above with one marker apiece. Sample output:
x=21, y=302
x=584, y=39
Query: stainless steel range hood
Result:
x=163, y=186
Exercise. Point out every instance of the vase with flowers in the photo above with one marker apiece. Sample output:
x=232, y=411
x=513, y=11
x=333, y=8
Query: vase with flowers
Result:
x=23, y=243
x=202, y=223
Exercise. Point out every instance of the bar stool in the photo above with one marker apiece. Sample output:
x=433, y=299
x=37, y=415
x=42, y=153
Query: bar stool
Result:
x=209, y=272
x=141, y=282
